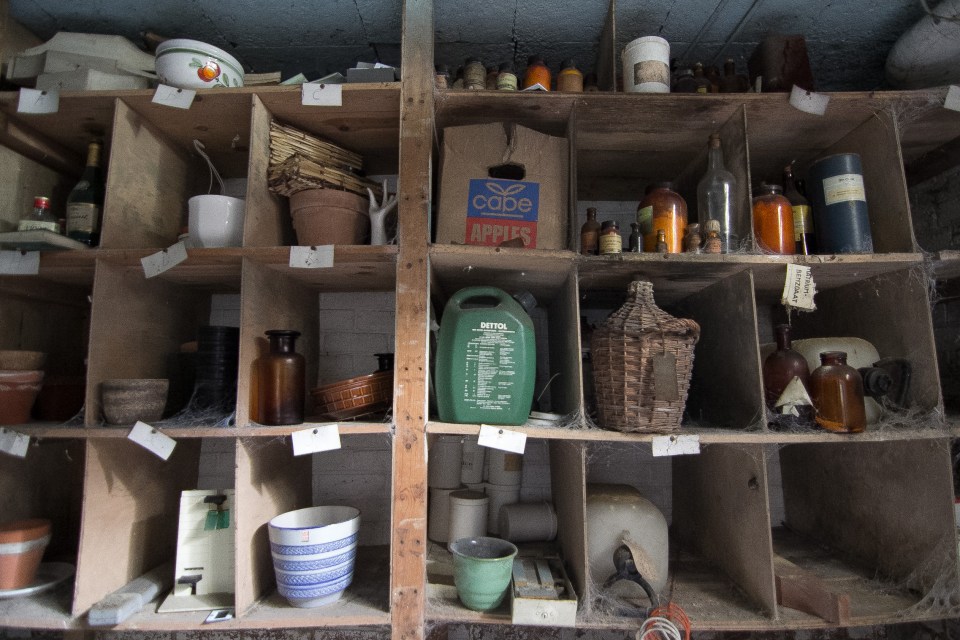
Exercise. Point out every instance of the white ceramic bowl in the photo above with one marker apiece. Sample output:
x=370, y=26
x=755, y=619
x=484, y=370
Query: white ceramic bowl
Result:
x=313, y=527
x=313, y=552
x=303, y=579
x=315, y=596
x=191, y=64
x=215, y=221
x=313, y=563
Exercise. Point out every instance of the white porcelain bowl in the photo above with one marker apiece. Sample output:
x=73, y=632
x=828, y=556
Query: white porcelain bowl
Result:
x=215, y=221
x=313, y=527
x=191, y=64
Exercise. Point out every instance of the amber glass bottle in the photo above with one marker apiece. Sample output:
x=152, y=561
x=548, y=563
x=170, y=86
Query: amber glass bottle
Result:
x=662, y=209
x=590, y=234
x=782, y=366
x=837, y=393
x=281, y=386
x=537, y=72
x=773, y=220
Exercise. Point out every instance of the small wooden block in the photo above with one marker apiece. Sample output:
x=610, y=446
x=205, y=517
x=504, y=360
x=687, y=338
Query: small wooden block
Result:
x=801, y=590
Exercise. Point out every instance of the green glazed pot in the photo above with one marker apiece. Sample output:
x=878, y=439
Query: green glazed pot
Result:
x=482, y=568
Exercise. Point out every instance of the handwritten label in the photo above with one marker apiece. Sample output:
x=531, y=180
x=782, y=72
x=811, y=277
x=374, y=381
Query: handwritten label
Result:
x=159, y=444
x=808, y=101
x=37, y=101
x=322, y=437
x=320, y=257
x=14, y=443
x=157, y=263
x=675, y=445
x=503, y=439
x=174, y=97
x=19, y=263
x=799, y=288
x=316, y=94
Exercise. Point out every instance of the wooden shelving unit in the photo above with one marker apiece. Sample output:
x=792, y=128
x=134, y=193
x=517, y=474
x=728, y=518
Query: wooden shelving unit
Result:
x=94, y=311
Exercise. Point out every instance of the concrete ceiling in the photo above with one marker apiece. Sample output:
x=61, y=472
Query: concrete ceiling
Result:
x=848, y=40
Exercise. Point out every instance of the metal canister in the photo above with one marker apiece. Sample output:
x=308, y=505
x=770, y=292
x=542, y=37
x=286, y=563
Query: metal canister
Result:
x=839, y=202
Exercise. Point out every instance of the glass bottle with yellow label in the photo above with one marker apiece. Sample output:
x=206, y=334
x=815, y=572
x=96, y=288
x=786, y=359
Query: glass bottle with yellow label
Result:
x=85, y=202
x=802, y=218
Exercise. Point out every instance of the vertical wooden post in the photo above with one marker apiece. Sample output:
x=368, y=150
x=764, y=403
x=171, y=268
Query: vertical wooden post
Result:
x=408, y=542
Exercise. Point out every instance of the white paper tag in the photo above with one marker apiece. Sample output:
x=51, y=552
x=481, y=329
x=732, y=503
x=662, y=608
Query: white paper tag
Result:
x=157, y=263
x=320, y=257
x=500, y=438
x=808, y=101
x=799, y=288
x=37, y=101
x=322, y=437
x=174, y=97
x=14, y=443
x=316, y=94
x=219, y=615
x=159, y=444
x=676, y=445
x=535, y=87
x=952, y=101
x=19, y=263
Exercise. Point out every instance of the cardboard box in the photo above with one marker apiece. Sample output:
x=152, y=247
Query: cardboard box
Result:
x=483, y=209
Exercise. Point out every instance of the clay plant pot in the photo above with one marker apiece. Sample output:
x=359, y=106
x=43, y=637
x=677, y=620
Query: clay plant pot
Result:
x=127, y=400
x=18, y=390
x=22, y=544
x=329, y=216
x=19, y=360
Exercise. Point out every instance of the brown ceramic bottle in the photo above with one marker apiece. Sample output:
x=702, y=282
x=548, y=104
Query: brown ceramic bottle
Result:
x=773, y=220
x=662, y=209
x=782, y=366
x=837, y=393
x=281, y=386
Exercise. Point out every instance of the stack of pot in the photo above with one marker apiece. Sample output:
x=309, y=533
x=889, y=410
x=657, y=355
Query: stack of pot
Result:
x=215, y=387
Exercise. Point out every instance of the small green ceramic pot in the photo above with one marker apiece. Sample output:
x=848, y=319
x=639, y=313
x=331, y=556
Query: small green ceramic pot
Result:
x=481, y=570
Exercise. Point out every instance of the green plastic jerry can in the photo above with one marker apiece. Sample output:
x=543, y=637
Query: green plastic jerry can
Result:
x=486, y=359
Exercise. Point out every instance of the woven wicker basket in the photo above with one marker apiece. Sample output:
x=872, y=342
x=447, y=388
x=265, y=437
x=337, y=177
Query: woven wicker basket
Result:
x=642, y=362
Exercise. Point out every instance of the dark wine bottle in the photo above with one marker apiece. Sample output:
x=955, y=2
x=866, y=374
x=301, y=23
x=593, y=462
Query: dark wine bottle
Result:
x=85, y=202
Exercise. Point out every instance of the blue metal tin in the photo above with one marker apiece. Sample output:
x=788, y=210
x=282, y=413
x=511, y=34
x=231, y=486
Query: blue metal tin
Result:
x=839, y=203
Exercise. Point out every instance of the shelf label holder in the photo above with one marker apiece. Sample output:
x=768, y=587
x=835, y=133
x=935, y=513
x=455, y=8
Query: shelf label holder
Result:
x=675, y=445
x=321, y=437
x=157, y=263
x=38, y=101
x=503, y=439
x=157, y=443
x=174, y=97
x=19, y=263
x=14, y=443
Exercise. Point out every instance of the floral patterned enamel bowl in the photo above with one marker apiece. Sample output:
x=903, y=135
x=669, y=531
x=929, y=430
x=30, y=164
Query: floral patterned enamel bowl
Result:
x=191, y=64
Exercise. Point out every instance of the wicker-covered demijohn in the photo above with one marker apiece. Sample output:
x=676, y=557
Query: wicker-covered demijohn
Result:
x=642, y=362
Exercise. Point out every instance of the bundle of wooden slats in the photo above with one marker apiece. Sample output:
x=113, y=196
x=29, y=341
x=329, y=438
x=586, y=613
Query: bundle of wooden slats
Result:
x=300, y=161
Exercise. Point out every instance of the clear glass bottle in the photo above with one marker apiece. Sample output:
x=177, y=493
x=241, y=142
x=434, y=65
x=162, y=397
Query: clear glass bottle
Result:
x=281, y=384
x=85, y=202
x=40, y=218
x=773, y=220
x=802, y=217
x=590, y=234
x=782, y=366
x=716, y=198
x=837, y=393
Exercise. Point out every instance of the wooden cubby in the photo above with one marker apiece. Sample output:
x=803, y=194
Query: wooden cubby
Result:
x=110, y=499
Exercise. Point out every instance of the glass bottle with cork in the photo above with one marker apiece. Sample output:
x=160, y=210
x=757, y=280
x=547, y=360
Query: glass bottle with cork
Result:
x=610, y=240
x=40, y=218
x=716, y=197
x=85, y=202
x=802, y=218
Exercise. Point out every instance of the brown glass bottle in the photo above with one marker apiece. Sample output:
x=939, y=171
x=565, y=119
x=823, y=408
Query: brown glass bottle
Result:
x=728, y=81
x=782, y=366
x=802, y=217
x=590, y=234
x=281, y=386
x=773, y=220
x=662, y=209
x=837, y=393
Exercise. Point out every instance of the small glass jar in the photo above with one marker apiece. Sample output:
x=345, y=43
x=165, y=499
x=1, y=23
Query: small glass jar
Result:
x=836, y=389
x=635, y=244
x=610, y=240
x=662, y=209
x=590, y=234
x=773, y=221
x=713, y=243
x=281, y=386
x=474, y=75
x=506, y=79
x=570, y=78
x=691, y=241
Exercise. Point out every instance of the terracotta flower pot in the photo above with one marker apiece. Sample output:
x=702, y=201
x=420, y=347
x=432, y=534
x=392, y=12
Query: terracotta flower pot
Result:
x=18, y=390
x=22, y=544
x=329, y=216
